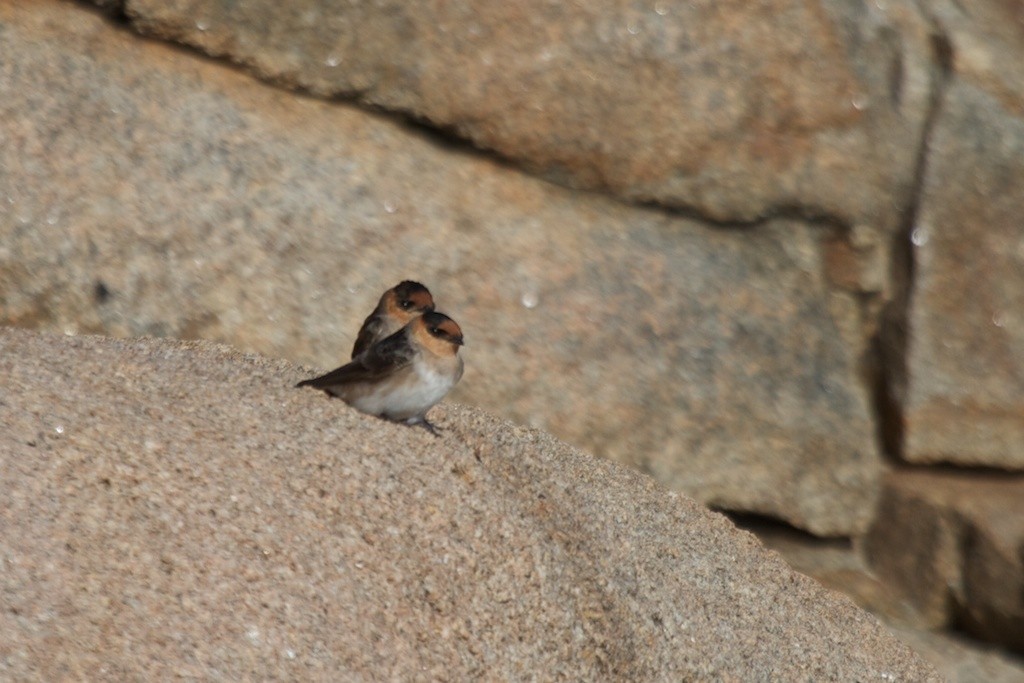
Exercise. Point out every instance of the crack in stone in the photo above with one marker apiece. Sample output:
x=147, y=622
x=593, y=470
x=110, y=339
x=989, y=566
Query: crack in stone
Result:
x=890, y=345
x=113, y=10
x=449, y=137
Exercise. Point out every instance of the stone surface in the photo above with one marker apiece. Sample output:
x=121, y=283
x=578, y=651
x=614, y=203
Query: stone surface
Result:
x=840, y=565
x=734, y=109
x=146, y=191
x=179, y=508
x=986, y=39
x=964, y=399
x=962, y=660
x=953, y=543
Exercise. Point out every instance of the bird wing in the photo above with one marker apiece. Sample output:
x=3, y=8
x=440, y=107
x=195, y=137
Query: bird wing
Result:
x=377, y=362
x=368, y=333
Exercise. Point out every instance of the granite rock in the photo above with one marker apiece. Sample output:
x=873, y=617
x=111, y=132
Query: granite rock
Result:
x=145, y=191
x=178, y=508
x=953, y=544
x=962, y=398
x=960, y=659
x=841, y=566
x=734, y=109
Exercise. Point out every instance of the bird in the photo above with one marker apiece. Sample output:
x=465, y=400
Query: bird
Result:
x=396, y=308
x=402, y=376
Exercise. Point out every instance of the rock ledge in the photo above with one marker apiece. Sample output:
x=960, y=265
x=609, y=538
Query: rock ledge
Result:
x=178, y=508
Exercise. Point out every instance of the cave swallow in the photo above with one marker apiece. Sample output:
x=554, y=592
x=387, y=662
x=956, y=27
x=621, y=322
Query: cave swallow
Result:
x=396, y=308
x=404, y=375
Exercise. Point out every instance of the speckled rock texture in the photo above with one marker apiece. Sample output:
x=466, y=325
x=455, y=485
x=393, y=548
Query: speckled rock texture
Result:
x=146, y=191
x=960, y=660
x=734, y=108
x=957, y=370
x=178, y=508
x=964, y=396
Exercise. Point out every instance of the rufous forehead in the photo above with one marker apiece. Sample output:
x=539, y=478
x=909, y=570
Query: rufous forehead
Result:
x=422, y=299
x=450, y=327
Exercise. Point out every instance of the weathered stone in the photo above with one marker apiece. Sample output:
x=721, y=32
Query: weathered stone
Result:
x=915, y=547
x=840, y=565
x=144, y=191
x=954, y=544
x=964, y=397
x=179, y=509
x=837, y=564
x=986, y=39
x=736, y=109
x=961, y=400
x=961, y=660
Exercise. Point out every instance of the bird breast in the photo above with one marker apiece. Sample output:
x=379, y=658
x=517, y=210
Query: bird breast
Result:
x=410, y=392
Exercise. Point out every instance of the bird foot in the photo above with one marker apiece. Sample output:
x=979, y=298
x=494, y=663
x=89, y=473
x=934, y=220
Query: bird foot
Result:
x=426, y=424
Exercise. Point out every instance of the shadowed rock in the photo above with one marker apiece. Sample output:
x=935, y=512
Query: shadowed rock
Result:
x=953, y=545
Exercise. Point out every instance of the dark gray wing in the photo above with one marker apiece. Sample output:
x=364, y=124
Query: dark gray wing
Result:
x=368, y=333
x=377, y=362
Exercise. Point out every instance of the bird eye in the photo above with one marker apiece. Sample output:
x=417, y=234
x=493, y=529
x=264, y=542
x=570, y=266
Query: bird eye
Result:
x=435, y=330
x=406, y=305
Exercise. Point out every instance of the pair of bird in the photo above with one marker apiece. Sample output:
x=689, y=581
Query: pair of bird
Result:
x=405, y=359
